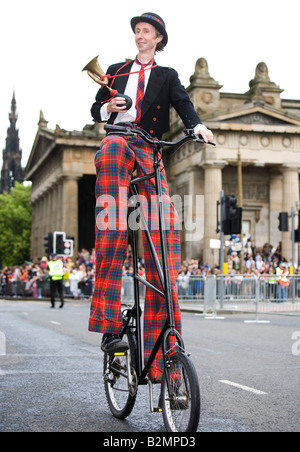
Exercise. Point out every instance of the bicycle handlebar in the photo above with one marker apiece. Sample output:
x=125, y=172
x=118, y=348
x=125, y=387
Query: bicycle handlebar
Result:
x=133, y=129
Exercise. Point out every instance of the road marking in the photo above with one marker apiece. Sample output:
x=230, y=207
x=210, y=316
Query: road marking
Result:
x=55, y=323
x=245, y=388
x=2, y=343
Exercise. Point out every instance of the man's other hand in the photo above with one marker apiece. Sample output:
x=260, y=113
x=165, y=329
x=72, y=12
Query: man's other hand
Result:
x=206, y=134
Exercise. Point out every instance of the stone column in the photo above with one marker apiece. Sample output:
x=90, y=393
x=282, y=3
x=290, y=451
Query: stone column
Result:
x=59, y=205
x=54, y=207
x=39, y=214
x=70, y=208
x=45, y=219
x=275, y=205
x=34, y=229
x=193, y=204
x=212, y=188
x=289, y=197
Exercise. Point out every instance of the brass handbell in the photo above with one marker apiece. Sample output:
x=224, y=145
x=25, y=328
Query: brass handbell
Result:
x=96, y=73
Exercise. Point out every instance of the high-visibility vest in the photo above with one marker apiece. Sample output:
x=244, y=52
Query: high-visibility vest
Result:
x=272, y=279
x=56, y=270
x=278, y=273
x=283, y=280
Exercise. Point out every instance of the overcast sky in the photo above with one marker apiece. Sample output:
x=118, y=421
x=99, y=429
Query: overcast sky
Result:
x=45, y=45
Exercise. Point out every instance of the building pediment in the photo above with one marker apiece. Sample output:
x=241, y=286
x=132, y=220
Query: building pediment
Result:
x=43, y=144
x=257, y=113
x=257, y=118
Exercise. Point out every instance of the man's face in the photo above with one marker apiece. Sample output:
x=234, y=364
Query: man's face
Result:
x=145, y=37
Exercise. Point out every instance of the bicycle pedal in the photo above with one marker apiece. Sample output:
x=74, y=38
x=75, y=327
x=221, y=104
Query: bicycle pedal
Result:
x=157, y=410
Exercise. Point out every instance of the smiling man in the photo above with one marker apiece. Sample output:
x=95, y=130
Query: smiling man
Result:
x=153, y=89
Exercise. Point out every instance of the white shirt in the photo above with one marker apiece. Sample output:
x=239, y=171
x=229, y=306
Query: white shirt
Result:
x=131, y=91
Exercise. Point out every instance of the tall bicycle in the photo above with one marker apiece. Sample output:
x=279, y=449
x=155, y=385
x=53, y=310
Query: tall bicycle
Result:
x=124, y=372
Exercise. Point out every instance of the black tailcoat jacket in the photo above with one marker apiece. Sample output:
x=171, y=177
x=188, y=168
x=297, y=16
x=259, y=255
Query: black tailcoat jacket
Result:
x=163, y=90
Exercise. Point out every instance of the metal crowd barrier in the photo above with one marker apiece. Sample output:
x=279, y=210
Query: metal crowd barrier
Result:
x=234, y=293
x=274, y=297
x=249, y=293
x=24, y=289
x=191, y=288
x=237, y=292
x=127, y=290
x=241, y=293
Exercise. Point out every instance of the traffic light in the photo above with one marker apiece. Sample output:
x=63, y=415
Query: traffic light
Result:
x=63, y=246
x=236, y=222
x=48, y=243
x=231, y=215
x=68, y=247
x=283, y=221
x=59, y=238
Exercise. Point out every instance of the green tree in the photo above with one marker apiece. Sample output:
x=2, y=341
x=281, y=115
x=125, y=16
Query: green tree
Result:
x=15, y=225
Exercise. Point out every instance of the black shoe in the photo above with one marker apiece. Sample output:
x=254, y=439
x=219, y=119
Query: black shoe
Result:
x=62, y=305
x=111, y=343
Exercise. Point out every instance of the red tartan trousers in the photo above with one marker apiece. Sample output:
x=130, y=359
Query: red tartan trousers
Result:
x=115, y=162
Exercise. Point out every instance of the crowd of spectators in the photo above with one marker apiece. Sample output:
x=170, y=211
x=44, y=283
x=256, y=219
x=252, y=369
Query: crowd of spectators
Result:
x=32, y=278
x=242, y=258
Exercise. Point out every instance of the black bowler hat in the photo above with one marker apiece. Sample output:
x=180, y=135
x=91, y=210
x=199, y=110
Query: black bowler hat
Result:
x=154, y=20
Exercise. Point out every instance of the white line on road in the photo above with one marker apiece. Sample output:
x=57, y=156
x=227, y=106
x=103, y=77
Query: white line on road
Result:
x=2, y=344
x=245, y=388
x=55, y=323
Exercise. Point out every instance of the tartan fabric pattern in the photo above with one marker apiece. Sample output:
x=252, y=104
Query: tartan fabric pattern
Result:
x=140, y=92
x=115, y=162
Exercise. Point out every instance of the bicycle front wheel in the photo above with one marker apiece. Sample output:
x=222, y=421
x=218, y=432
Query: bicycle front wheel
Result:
x=180, y=397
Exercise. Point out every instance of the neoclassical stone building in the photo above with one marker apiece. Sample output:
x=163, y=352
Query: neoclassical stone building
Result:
x=61, y=168
x=266, y=130
x=260, y=123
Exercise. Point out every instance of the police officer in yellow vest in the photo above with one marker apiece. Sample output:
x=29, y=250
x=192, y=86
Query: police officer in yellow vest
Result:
x=56, y=273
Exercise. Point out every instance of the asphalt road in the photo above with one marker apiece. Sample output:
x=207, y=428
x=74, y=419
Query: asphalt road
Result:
x=51, y=373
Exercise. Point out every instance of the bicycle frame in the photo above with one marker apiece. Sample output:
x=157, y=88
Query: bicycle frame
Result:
x=163, y=273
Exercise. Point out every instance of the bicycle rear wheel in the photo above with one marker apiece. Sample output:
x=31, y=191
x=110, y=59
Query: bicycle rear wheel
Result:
x=119, y=394
x=180, y=396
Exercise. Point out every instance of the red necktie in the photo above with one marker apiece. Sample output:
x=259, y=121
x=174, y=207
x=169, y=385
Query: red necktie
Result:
x=140, y=92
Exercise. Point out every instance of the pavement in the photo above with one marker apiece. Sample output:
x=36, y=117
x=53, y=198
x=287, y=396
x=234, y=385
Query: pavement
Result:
x=51, y=372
